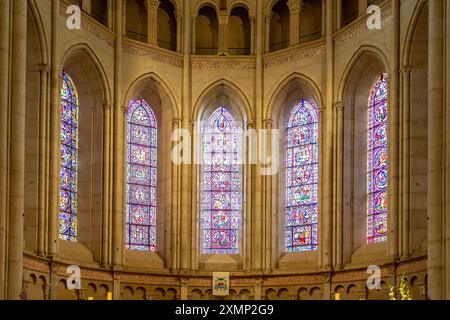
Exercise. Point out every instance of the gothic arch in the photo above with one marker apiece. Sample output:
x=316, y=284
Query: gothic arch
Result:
x=309, y=90
x=164, y=92
x=91, y=61
x=223, y=87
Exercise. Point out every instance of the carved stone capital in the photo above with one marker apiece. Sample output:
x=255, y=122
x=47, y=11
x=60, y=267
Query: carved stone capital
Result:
x=107, y=105
x=295, y=6
x=223, y=17
x=339, y=106
x=152, y=5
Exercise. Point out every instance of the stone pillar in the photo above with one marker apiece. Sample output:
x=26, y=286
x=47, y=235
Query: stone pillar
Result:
x=253, y=140
x=179, y=17
x=107, y=178
x=86, y=6
x=194, y=36
x=110, y=14
x=186, y=195
x=4, y=80
x=116, y=286
x=327, y=147
x=267, y=20
x=393, y=132
x=55, y=152
x=223, y=17
x=53, y=281
x=324, y=17
x=257, y=289
x=269, y=224
x=294, y=9
x=17, y=148
x=175, y=241
x=184, y=288
x=252, y=19
x=435, y=149
x=405, y=214
x=338, y=14
x=152, y=21
x=118, y=140
x=362, y=7
x=258, y=207
x=43, y=138
x=339, y=110
x=447, y=163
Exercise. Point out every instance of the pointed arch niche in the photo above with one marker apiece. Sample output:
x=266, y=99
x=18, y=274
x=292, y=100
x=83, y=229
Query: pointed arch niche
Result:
x=356, y=166
x=296, y=96
x=148, y=92
x=86, y=76
x=221, y=103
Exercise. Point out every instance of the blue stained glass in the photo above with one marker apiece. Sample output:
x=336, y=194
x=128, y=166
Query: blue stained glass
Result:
x=141, y=177
x=302, y=177
x=377, y=166
x=221, y=184
x=68, y=194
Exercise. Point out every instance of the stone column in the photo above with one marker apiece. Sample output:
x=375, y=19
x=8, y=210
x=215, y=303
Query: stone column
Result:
x=339, y=109
x=324, y=17
x=4, y=80
x=107, y=178
x=294, y=9
x=43, y=154
x=223, y=17
x=55, y=152
x=258, y=207
x=186, y=181
x=110, y=14
x=86, y=6
x=326, y=117
x=152, y=21
x=17, y=148
x=179, y=17
x=267, y=19
x=269, y=224
x=405, y=229
x=393, y=133
x=435, y=149
x=362, y=7
x=118, y=144
x=116, y=286
x=249, y=184
x=194, y=36
x=175, y=243
x=338, y=14
x=447, y=164
x=252, y=19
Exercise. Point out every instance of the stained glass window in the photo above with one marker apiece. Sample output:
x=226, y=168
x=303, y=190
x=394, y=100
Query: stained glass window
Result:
x=68, y=193
x=221, y=187
x=141, y=177
x=302, y=158
x=377, y=154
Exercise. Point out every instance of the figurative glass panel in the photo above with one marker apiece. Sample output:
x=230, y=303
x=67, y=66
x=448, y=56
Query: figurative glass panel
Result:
x=302, y=170
x=377, y=161
x=141, y=177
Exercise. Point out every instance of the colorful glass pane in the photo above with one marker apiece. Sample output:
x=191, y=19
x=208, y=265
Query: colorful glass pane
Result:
x=141, y=177
x=221, y=187
x=68, y=193
x=377, y=156
x=302, y=170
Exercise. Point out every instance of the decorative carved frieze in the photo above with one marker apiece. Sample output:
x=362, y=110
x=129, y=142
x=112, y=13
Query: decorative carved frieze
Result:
x=293, y=56
x=153, y=55
x=222, y=65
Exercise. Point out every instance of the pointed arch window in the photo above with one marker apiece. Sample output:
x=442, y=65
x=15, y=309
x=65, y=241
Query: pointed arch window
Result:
x=141, y=177
x=377, y=158
x=68, y=189
x=302, y=166
x=221, y=184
